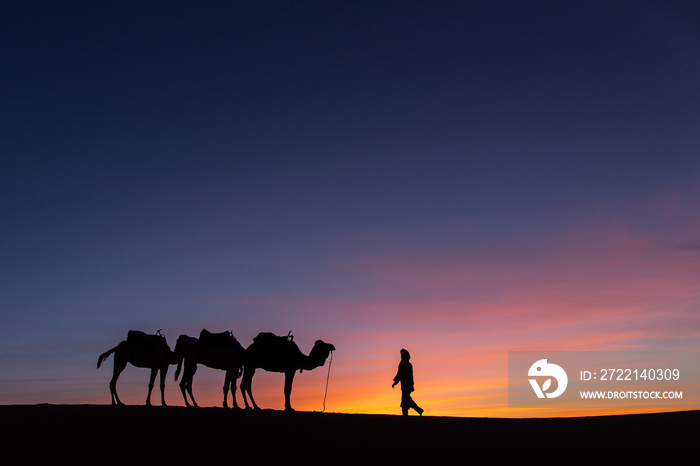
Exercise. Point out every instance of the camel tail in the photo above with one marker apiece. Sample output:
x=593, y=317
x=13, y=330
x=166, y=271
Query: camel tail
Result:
x=104, y=356
x=179, y=368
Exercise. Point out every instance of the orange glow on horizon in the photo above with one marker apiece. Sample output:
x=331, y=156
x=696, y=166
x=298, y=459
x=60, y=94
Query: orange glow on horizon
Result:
x=450, y=395
x=459, y=316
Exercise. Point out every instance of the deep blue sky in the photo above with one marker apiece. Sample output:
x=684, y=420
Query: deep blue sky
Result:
x=160, y=158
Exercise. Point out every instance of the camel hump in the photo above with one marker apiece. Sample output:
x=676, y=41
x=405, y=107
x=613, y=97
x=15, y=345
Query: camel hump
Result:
x=267, y=341
x=215, y=339
x=144, y=339
x=269, y=338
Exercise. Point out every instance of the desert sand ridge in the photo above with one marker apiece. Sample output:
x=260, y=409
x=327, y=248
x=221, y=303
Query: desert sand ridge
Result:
x=96, y=434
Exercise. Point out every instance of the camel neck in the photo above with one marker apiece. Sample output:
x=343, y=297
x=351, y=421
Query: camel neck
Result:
x=312, y=361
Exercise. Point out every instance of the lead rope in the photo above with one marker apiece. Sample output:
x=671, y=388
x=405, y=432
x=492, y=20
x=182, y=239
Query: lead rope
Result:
x=327, y=378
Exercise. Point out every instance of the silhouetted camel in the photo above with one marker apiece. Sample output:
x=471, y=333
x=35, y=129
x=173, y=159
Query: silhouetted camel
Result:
x=216, y=350
x=279, y=354
x=141, y=350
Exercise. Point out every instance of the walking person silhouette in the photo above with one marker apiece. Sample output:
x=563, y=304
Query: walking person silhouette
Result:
x=405, y=376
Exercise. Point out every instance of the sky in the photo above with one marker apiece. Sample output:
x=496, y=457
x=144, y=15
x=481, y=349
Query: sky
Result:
x=460, y=179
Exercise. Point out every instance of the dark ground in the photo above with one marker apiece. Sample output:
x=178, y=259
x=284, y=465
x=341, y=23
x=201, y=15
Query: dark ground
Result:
x=89, y=434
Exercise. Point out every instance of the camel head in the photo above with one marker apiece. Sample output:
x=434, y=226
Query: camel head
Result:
x=181, y=348
x=171, y=356
x=174, y=358
x=319, y=353
x=181, y=344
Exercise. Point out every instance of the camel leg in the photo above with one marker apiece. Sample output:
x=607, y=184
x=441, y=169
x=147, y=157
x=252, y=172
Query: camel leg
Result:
x=119, y=366
x=244, y=387
x=227, y=382
x=247, y=386
x=163, y=373
x=234, y=378
x=186, y=383
x=288, y=379
x=230, y=383
x=151, y=382
x=183, y=388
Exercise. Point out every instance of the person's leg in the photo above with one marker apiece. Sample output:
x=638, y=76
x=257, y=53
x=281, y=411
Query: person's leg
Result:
x=405, y=404
x=412, y=404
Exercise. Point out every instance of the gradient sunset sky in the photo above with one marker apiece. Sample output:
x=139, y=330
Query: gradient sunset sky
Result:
x=458, y=178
